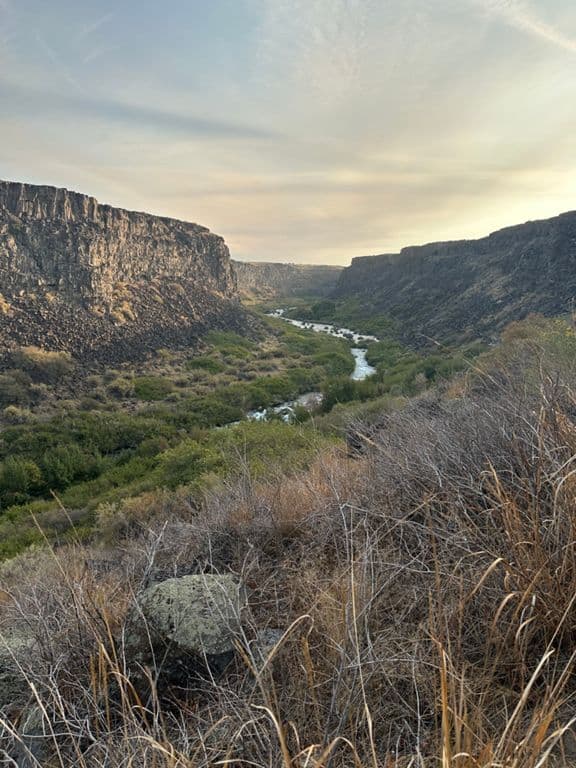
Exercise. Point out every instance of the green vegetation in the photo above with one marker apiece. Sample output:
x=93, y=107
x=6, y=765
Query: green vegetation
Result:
x=360, y=316
x=419, y=596
x=208, y=364
x=152, y=387
x=132, y=431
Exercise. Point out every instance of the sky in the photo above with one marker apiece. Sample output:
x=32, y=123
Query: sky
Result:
x=301, y=130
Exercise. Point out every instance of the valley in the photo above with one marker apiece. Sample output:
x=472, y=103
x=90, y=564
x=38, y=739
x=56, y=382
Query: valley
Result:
x=285, y=436
x=287, y=384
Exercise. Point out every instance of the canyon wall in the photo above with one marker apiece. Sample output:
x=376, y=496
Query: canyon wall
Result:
x=470, y=288
x=70, y=243
x=97, y=280
x=267, y=280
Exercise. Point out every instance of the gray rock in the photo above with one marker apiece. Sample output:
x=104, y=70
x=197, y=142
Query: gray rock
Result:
x=183, y=629
x=72, y=244
x=33, y=746
x=14, y=688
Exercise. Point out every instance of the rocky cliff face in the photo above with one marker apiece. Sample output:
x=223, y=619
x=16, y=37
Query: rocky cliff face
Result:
x=86, y=277
x=268, y=280
x=470, y=288
x=70, y=243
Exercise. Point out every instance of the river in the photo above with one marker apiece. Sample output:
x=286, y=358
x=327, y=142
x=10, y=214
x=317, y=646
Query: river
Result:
x=362, y=368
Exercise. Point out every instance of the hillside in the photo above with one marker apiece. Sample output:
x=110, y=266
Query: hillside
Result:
x=105, y=283
x=410, y=606
x=263, y=280
x=470, y=288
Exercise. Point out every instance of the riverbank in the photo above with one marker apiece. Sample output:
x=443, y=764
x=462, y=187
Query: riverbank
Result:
x=362, y=369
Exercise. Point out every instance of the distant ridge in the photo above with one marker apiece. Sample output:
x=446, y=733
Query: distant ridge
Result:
x=470, y=288
x=270, y=280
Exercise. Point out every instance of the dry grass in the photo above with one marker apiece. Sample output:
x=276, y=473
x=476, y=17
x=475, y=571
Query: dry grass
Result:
x=426, y=593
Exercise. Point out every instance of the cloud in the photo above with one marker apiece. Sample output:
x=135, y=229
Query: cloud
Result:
x=518, y=15
x=99, y=52
x=95, y=25
x=23, y=101
x=317, y=44
x=57, y=62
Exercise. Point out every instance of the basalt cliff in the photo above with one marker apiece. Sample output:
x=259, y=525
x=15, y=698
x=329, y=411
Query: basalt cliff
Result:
x=104, y=283
x=265, y=280
x=471, y=288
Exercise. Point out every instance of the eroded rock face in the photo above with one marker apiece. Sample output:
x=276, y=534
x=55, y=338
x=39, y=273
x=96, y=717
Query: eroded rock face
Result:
x=71, y=244
x=81, y=276
x=470, y=288
x=184, y=628
x=270, y=280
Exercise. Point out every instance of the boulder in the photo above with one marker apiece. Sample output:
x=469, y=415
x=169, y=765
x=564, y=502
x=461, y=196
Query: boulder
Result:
x=15, y=648
x=182, y=630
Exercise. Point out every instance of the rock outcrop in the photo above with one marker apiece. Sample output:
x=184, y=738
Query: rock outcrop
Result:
x=100, y=281
x=470, y=288
x=264, y=280
x=183, y=628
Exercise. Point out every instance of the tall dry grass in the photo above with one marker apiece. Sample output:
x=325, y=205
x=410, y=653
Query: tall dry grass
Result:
x=422, y=601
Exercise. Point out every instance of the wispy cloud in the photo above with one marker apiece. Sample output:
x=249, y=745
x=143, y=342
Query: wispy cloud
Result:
x=24, y=100
x=57, y=62
x=98, y=52
x=95, y=25
x=518, y=14
x=316, y=43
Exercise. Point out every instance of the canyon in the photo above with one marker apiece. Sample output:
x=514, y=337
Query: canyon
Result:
x=110, y=285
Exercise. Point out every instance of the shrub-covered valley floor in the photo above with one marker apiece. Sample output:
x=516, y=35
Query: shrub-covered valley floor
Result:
x=410, y=548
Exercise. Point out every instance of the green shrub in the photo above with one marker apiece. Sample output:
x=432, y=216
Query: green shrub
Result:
x=44, y=366
x=341, y=390
x=63, y=464
x=187, y=462
x=13, y=392
x=335, y=363
x=208, y=364
x=152, y=387
x=19, y=477
x=265, y=448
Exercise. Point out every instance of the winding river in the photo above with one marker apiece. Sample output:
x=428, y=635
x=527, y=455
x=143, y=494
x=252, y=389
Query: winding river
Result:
x=362, y=369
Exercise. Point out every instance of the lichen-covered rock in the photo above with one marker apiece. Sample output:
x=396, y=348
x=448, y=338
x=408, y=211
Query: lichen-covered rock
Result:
x=184, y=628
x=15, y=648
